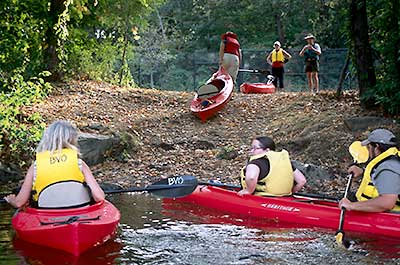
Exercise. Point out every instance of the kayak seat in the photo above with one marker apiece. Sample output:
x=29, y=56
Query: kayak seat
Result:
x=210, y=89
x=67, y=194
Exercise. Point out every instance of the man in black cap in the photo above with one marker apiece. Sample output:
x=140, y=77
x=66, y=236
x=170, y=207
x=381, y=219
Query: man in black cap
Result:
x=380, y=187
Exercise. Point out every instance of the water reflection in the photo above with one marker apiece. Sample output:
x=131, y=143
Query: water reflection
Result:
x=153, y=231
x=108, y=253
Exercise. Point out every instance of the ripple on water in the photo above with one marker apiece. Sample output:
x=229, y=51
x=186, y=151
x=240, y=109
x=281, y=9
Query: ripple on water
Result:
x=150, y=235
x=182, y=242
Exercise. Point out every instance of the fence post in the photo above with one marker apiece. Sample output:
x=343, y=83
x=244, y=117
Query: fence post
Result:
x=240, y=75
x=194, y=72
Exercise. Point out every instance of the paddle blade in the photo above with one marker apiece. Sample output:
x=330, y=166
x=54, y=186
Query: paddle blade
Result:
x=339, y=238
x=358, y=152
x=341, y=241
x=174, y=187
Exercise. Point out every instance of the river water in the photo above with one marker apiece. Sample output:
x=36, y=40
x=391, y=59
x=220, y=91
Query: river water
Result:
x=153, y=231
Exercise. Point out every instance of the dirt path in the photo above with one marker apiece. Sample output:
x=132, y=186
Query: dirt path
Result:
x=167, y=140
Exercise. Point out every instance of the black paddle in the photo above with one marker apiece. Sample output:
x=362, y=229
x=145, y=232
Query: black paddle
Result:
x=172, y=187
x=306, y=195
x=255, y=71
x=360, y=155
x=340, y=232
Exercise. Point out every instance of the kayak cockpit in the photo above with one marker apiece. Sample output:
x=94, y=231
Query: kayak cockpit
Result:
x=210, y=89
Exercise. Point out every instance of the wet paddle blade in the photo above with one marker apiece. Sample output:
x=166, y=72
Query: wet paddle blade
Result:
x=174, y=187
x=339, y=238
x=341, y=241
x=359, y=152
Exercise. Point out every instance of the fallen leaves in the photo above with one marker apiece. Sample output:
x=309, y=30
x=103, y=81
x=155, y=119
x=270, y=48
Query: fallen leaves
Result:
x=174, y=142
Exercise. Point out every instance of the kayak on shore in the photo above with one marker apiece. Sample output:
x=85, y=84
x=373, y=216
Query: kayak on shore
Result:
x=307, y=212
x=257, y=88
x=213, y=95
x=72, y=230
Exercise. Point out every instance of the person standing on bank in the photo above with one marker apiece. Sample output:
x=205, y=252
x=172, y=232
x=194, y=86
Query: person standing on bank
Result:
x=230, y=54
x=311, y=53
x=276, y=59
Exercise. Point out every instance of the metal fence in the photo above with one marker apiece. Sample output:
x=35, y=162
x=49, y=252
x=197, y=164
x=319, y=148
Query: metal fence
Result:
x=188, y=71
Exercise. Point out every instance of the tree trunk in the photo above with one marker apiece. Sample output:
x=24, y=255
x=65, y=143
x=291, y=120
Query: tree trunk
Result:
x=279, y=28
x=151, y=79
x=121, y=72
x=343, y=75
x=362, y=49
x=160, y=22
x=51, y=56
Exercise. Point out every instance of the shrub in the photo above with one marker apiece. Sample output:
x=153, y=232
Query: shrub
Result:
x=20, y=131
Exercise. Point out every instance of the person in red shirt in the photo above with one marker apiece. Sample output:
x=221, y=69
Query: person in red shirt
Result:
x=230, y=54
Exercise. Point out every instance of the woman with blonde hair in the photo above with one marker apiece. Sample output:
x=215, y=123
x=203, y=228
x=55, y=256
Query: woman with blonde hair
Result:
x=58, y=178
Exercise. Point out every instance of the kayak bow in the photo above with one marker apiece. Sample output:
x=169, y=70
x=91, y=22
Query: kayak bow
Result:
x=71, y=230
x=217, y=91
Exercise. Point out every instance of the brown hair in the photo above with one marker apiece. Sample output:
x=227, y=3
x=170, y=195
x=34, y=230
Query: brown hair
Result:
x=266, y=142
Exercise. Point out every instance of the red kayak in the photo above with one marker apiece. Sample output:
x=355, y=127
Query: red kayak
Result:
x=212, y=96
x=257, y=88
x=308, y=212
x=71, y=230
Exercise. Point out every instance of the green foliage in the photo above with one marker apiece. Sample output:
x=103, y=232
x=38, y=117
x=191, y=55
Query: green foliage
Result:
x=176, y=78
x=99, y=35
x=200, y=23
x=384, y=25
x=227, y=153
x=22, y=30
x=387, y=94
x=91, y=59
x=19, y=131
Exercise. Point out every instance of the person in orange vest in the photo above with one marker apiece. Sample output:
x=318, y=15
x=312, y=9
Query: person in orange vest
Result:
x=277, y=57
x=269, y=172
x=230, y=54
x=58, y=178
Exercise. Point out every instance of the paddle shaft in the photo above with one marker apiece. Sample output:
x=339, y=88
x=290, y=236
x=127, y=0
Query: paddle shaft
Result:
x=172, y=187
x=232, y=186
x=256, y=71
x=150, y=188
x=343, y=210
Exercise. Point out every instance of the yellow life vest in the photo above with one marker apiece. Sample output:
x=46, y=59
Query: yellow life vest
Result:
x=59, y=180
x=277, y=56
x=367, y=190
x=279, y=181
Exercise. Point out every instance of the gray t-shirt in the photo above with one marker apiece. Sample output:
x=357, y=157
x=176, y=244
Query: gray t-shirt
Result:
x=386, y=177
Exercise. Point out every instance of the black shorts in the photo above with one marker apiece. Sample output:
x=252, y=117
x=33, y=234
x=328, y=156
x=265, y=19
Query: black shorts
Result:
x=311, y=66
